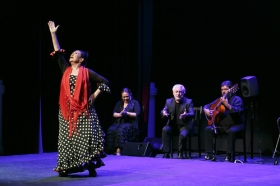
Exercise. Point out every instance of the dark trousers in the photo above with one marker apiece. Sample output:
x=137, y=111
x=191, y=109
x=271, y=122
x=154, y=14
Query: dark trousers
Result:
x=231, y=137
x=167, y=133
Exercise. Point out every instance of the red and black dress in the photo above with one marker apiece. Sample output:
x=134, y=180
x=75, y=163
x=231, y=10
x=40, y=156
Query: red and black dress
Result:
x=81, y=138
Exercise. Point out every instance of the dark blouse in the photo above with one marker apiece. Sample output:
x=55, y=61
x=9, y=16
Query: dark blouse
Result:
x=131, y=107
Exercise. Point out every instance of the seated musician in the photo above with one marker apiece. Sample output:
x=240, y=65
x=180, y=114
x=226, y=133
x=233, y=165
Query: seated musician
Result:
x=224, y=115
x=179, y=112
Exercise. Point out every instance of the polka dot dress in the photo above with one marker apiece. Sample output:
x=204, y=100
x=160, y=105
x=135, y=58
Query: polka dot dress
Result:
x=85, y=145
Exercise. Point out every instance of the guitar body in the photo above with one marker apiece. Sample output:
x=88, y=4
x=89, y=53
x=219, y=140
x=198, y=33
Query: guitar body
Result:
x=216, y=112
x=217, y=108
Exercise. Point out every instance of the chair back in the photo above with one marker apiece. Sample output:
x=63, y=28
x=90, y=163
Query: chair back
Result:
x=197, y=120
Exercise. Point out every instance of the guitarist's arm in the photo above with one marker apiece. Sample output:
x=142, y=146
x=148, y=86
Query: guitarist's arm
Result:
x=206, y=109
x=207, y=112
x=235, y=105
x=226, y=103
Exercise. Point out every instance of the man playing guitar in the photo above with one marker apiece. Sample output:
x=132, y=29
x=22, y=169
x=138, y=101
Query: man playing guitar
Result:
x=224, y=115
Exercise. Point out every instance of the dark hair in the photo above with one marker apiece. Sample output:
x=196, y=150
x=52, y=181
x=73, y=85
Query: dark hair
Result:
x=84, y=54
x=128, y=91
x=131, y=103
x=226, y=83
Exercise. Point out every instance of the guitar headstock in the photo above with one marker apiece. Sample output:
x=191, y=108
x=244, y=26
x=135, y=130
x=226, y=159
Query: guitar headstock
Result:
x=233, y=89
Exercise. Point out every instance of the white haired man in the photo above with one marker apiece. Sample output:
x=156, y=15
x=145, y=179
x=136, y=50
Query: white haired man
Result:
x=179, y=112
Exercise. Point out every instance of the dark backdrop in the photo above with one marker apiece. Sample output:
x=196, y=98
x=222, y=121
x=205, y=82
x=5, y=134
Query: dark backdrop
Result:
x=199, y=44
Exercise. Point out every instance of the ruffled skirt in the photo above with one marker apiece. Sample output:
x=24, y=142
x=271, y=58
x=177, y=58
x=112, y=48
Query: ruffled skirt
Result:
x=118, y=134
x=85, y=148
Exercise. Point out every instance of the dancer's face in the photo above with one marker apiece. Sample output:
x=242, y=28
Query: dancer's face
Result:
x=75, y=57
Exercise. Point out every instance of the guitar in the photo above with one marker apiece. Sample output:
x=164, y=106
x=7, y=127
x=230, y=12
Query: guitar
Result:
x=218, y=108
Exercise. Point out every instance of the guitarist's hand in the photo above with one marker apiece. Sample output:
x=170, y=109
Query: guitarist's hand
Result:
x=208, y=112
x=183, y=115
x=225, y=103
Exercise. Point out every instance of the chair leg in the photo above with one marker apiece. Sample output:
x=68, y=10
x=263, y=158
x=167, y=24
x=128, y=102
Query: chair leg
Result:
x=244, y=148
x=214, y=146
x=171, y=147
x=199, y=146
x=190, y=146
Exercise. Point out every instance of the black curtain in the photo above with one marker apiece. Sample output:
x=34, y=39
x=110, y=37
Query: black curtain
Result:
x=198, y=44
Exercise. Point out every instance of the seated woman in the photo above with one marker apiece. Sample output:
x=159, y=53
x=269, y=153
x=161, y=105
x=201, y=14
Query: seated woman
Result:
x=125, y=123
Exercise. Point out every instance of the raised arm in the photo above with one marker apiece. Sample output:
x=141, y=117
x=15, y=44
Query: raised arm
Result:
x=53, y=30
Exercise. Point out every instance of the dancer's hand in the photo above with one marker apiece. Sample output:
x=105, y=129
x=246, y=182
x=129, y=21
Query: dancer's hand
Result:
x=52, y=27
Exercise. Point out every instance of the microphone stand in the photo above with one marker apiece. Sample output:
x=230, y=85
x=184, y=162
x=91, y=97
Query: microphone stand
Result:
x=214, y=139
x=275, y=150
x=252, y=128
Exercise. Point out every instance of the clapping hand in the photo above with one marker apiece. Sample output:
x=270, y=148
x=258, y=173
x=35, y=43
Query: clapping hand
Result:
x=183, y=115
x=165, y=113
x=123, y=113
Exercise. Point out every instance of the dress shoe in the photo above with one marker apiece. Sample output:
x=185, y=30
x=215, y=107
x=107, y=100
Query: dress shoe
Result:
x=91, y=169
x=228, y=157
x=99, y=163
x=166, y=155
x=210, y=157
x=181, y=156
x=92, y=173
x=63, y=174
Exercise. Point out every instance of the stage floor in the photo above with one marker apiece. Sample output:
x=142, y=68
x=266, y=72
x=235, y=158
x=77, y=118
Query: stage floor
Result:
x=36, y=169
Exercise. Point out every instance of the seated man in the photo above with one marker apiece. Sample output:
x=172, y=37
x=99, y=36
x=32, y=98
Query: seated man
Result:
x=226, y=118
x=179, y=112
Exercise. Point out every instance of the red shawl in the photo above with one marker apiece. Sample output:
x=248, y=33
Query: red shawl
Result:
x=73, y=106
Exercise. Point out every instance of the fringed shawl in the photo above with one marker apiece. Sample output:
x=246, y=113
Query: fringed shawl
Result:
x=73, y=106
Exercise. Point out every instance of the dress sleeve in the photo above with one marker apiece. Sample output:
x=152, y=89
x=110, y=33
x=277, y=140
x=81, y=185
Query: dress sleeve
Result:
x=137, y=108
x=102, y=83
x=59, y=56
x=117, y=107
